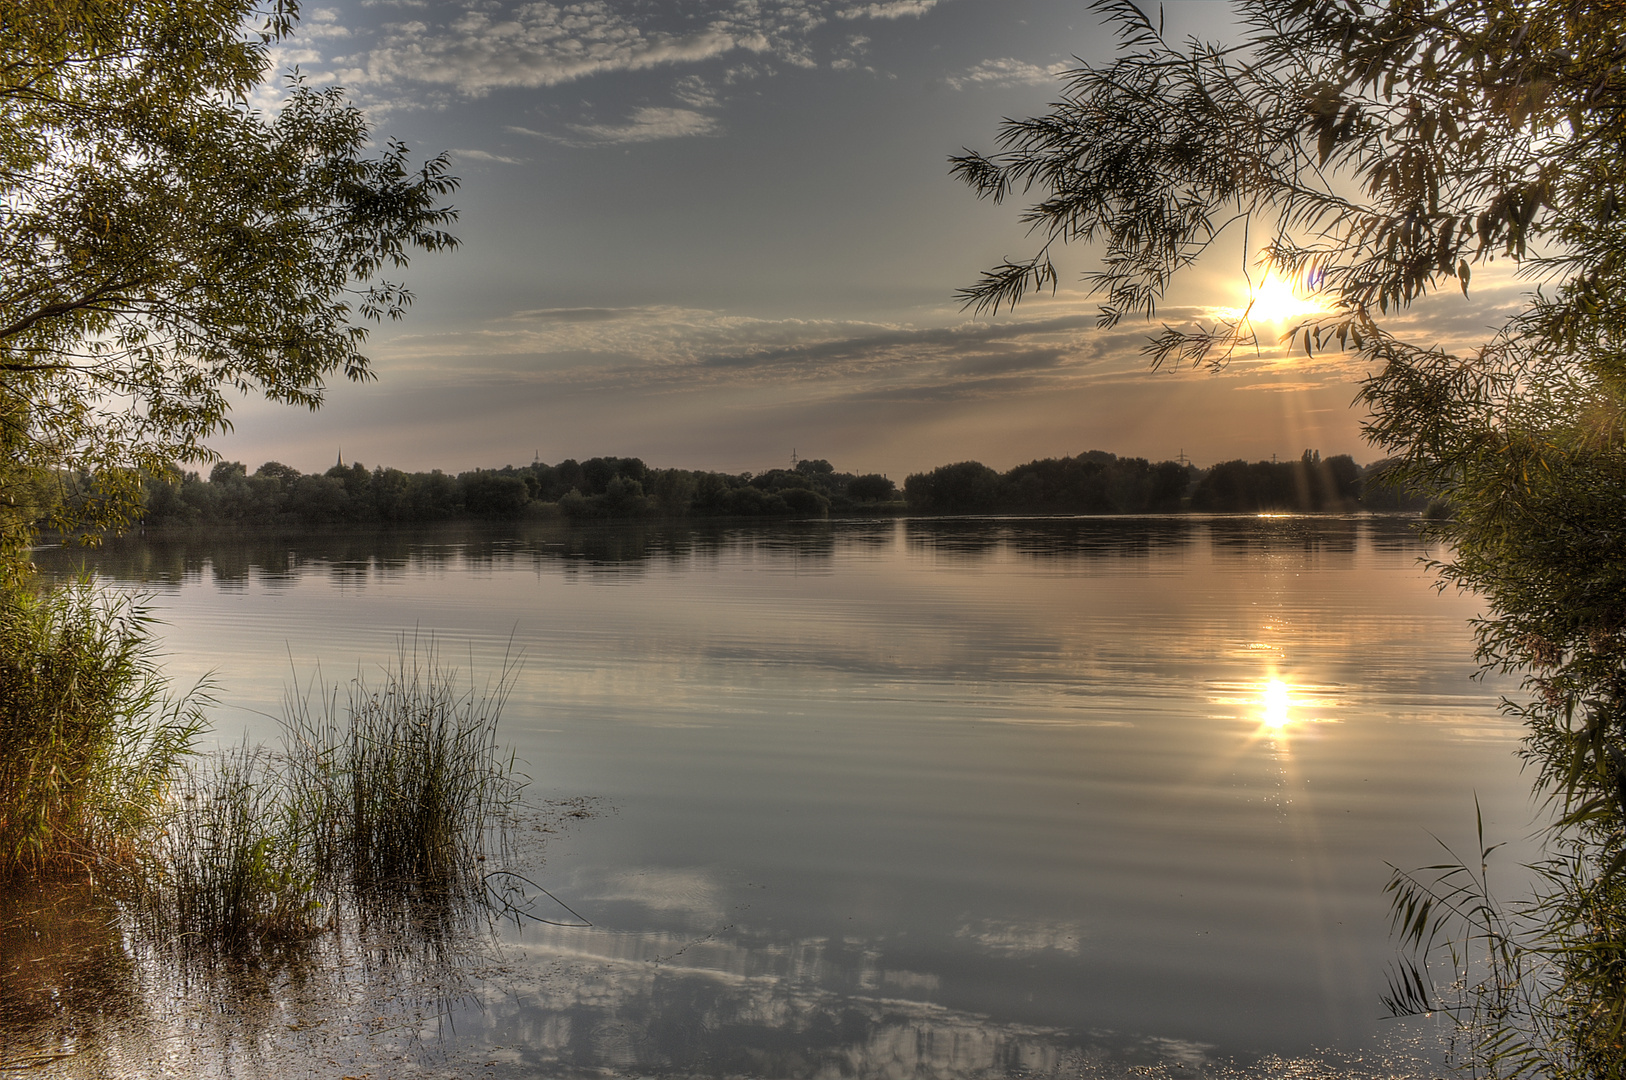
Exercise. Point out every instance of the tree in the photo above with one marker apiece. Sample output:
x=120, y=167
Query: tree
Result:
x=967, y=487
x=871, y=487
x=494, y=495
x=1383, y=151
x=163, y=243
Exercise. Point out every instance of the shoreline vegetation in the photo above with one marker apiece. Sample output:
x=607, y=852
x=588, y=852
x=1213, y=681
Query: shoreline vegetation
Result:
x=388, y=796
x=276, y=496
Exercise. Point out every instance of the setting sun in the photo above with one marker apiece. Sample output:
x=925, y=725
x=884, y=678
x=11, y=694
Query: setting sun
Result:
x=1275, y=301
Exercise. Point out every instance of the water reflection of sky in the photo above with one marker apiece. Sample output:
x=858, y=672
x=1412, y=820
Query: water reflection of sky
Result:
x=967, y=797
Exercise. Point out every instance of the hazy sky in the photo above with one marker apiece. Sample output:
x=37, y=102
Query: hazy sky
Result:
x=713, y=232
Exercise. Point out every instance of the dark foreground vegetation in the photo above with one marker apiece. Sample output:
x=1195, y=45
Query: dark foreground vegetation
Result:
x=276, y=496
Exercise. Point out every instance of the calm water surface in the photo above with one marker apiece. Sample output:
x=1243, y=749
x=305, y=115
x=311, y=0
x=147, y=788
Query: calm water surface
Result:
x=915, y=798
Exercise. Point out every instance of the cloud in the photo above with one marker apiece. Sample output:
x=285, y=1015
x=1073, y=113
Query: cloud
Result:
x=1005, y=71
x=531, y=45
x=887, y=9
x=851, y=52
x=321, y=23
x=708, y=387
x=971, y=340
x=662, y=349
x=482, y=155
x=686, y=369
x=475, y=47
x=694, y=92
x=650, y=124
x=576, y=314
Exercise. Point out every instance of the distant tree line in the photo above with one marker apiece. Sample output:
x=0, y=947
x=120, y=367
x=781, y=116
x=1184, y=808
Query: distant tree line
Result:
x=603, y=487
x=1101, y=483
x=275, y=495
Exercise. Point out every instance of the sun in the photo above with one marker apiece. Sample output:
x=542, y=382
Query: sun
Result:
x=1274, y=301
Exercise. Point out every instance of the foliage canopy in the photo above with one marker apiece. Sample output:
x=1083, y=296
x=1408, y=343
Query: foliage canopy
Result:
x=1384, y=150
x=164, y=243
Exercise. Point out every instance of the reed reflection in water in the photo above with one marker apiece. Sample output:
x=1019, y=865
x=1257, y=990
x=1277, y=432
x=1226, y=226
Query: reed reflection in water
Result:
x=1022, y=785
x=85, y=992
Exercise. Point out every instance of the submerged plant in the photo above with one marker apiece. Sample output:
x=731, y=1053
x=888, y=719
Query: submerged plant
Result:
x=91, y=741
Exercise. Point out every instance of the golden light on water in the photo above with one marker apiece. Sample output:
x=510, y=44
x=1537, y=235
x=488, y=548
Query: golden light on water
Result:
x=1276, y=702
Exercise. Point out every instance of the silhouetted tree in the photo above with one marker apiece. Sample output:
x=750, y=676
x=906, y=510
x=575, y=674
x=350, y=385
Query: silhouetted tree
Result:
x=493, y=495
x=968, y=487
x=871, y=487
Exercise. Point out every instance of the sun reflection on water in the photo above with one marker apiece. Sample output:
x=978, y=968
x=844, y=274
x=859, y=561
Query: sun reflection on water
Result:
x=1275, y=701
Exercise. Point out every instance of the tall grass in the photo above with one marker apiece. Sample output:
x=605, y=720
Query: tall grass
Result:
x=409, y=783
x=236, y=865
x=399, y=797
x=1535, y=986
x=91, y=742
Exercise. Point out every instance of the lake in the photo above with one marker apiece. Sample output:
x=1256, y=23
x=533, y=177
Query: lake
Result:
x=947, y=798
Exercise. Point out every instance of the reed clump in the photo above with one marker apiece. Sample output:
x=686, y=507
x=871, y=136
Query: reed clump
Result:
x=235, y=866
x=91, y=742
x=400, y=794
x=407, y=783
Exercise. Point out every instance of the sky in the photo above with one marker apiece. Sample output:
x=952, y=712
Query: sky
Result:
x=716, y=233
